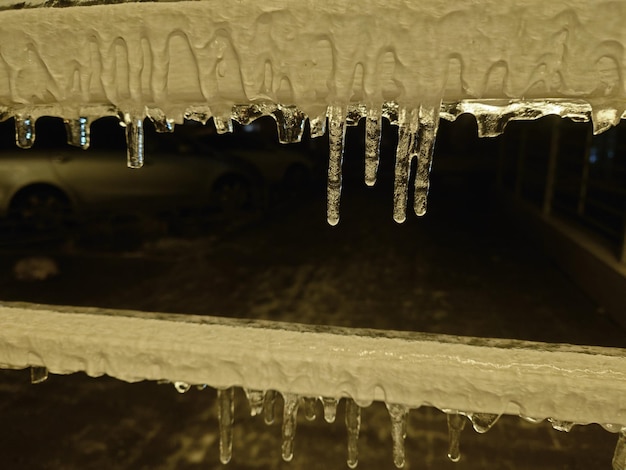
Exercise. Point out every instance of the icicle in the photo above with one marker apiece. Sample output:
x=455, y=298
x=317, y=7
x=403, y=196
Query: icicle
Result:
x=456, y=424
x=308, y=404
x=290, y=123
x=162, y=123
x=256, y=398
x=337, y=137
x=290, y=419
x=182, y=387
x=269, y=404
x=226, y=418
x=619, y=457
x=353, y=425
x=24, y=131
x=245, y=114
x=317, y=125
x=200, y=114
x=426, y=136
x=134, y=140
x=330, y=409
x=564, y=426
x=223, y=125
x=38, y=374
x=604, y=118
x=373, y=126
x=405, y=151
x=612, y=427
x=482, y=422
x=398, y=415
x=531, y=419
x=390, y=110
x=77, y=132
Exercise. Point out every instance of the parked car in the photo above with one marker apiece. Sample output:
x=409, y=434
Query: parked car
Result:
x=45, y=184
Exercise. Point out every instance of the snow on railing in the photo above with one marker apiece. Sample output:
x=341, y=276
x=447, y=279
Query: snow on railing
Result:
x=480, y=379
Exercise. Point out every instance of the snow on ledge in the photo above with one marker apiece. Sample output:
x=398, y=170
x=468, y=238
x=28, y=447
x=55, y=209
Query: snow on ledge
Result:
x=577, y=384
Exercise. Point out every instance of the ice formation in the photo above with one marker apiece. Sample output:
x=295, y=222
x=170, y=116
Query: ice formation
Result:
x=408, y=62
x=471, y=379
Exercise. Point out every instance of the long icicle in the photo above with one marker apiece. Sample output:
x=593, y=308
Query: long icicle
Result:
x=269, y=404
x=456, y=424
x=353, y=426
x=426, y=136
x=336, y=139
x=24, y=130
x=290, y=421
x=398, y=415
x=134, y=140
x=226, y=418
x=407, y=135
x=373, y=126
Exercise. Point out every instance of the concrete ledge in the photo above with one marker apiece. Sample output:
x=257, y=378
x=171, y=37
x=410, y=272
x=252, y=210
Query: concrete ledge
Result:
x=567, y=383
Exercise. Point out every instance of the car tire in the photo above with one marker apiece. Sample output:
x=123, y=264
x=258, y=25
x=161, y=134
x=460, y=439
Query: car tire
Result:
x=40, y=208
x=231, y=194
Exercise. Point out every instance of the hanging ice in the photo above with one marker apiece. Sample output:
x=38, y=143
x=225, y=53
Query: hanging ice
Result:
x=290, y=122
x=407, y=136
x=182, y=387
x=256, y=398
x=77, y=132
x=226, y=418
x=269, y=405
x=398, y=415
x=563, y=426
x=330, y=409
x=353, y=426
x=336, y=137
x=308, y=405
x=426, y=136
x=482, y=422
x=290, y=419
x=134, y=140
x=161, y=122
x=373, y=126
x=38, y=374
x=24, y=131
x=456, y=424
x=223, y=125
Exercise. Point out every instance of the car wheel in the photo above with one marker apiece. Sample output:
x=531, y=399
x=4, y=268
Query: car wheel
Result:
x=40, y=208
x=231, y=194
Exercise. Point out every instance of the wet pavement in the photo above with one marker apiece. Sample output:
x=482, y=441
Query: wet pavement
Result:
x=460, y=270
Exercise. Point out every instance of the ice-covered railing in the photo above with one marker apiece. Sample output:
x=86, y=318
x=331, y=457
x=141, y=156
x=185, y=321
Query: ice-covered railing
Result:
x=409, y=62
x=331, y=63
x=473, y=378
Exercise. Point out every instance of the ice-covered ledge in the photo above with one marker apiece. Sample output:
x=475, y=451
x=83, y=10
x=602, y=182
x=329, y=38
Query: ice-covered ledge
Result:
x=567, y=383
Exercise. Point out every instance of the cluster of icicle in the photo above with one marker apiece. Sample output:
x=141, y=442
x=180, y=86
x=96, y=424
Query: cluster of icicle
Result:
x=263, y=403
x=417, y=131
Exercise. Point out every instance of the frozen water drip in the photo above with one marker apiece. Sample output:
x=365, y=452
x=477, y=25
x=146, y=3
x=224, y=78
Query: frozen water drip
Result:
x=373, y=127
x=38, y=374
x=290, y=123
x=353, y=426
x=182, y=387
x=408, y=123
x=290, y=421
x=426, y=136
x=24, y=130
x=308, y=405
x=398, y=415
x=482, y=422
x=456, y=424
x=330, y=409
x=134, y=140
x=269, y=405
x=336, y=138
x=226, y=418
x=78, y=132
x=256, y=399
